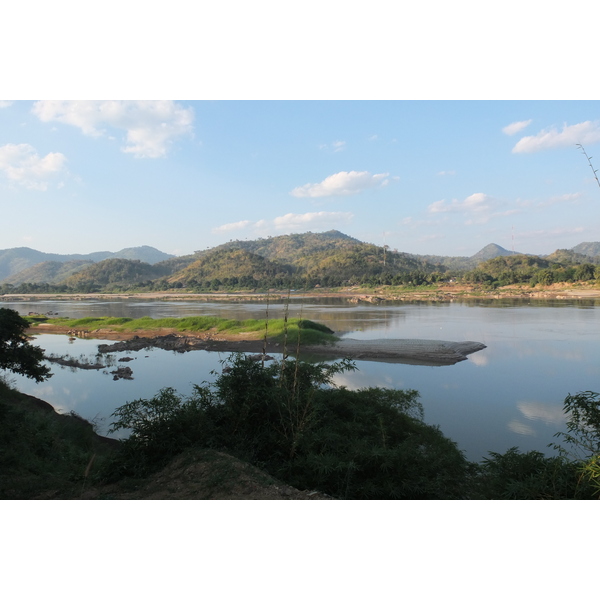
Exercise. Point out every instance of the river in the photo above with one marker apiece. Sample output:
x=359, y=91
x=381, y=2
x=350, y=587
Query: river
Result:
x=509, y=394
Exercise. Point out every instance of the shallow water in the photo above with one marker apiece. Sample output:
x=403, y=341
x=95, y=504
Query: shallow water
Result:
x=509, y=394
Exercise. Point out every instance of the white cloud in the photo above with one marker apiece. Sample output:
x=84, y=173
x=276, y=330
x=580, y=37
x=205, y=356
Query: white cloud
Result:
x=564, y=198
x=150, y=126
x=551, y=233
x=443, y=173
x=515, y=127
x=479, y=206
x=472, y=204
x=23, y=165
x=584, y=133
x=334, y=146
x=291, y=222
x=231, y=226
x=343, y=183
x=315, y=219
x=5, y=103
x=573, y=197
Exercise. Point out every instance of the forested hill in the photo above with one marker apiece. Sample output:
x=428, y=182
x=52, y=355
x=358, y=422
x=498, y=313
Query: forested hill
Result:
x=293, y=247
x=331, y=258
x=308, y=260
x=587, y=248
x=51, y=271
x=308, y=250
x=231, y=267
x=468, y=262
x=112, y=272
x=15, y=260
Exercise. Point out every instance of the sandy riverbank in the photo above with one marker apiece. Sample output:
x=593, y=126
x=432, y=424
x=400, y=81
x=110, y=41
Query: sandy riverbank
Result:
x=440, y=293
x=407, y=351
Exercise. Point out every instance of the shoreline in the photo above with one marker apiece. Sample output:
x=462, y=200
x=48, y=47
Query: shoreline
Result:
x=441, y=293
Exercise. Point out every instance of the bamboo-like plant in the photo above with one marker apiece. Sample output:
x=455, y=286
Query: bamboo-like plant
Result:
x=589, y=159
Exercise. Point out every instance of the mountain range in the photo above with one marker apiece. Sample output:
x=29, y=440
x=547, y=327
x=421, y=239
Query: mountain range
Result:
x=325, y=258
x=17, y=260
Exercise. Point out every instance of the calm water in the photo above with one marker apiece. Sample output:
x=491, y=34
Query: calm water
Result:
x=510, y=394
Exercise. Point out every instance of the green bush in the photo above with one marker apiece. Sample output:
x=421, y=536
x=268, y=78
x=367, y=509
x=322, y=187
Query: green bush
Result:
x=42, y=452
x=583, y=426
x=289, y=419
x=514, y=475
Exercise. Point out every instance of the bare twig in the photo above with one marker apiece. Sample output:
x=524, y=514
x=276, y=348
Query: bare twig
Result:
x=264, y=352
x=589, y=159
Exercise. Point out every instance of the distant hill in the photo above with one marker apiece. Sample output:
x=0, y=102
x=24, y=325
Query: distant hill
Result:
x=464, y=263
x=491, y=251
x=514, y=262
x=309, y=259
x=114, y=272
x=330, y=257
x=15, y=260
x=293, y=247
x=48, y=272
x=146, y=254
x=229, y=264
x=569, y=256
x=587, y=248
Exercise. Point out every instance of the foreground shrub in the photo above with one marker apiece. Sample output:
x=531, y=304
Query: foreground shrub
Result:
x=289, y=419
x=43, y=453
x=583, y=426
x=515, y=475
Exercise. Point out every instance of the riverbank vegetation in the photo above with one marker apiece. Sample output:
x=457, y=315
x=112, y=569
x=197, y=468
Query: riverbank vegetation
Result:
x=44, y=454
x=288, y=420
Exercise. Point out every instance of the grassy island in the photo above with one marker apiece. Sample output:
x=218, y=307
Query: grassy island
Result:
x=276, y=330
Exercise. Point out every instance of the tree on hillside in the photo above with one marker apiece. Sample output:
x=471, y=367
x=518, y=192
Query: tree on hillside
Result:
x=16, y=353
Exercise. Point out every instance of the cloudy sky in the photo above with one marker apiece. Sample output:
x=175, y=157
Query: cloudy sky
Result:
x=426, y=177
x=458, y=140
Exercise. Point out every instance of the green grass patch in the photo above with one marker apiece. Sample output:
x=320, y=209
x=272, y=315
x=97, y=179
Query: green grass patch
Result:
x=290, y=331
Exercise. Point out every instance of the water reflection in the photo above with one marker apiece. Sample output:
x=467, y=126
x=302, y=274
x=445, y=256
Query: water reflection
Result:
x=548, y=413
x=509, y=394
x=521, y=428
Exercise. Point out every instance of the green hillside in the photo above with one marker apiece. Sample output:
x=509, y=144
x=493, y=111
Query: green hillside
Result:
x=113, y=273
x=231, y=267
x=15, y=260
x=146, y=254
x=297, y=261
x=587, y=248
x=571, y=257
x=292, y=248
x=48, y=272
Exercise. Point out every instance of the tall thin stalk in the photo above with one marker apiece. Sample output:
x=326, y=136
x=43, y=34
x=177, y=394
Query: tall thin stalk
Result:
x=264, y=352
x=589, y=159
x=286, y=311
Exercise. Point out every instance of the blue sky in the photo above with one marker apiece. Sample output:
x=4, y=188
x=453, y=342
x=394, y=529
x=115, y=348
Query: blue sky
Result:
x=435, y=130
x=426, y=177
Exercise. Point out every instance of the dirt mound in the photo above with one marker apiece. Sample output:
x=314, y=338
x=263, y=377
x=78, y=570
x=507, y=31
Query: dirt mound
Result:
x=204, y=475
